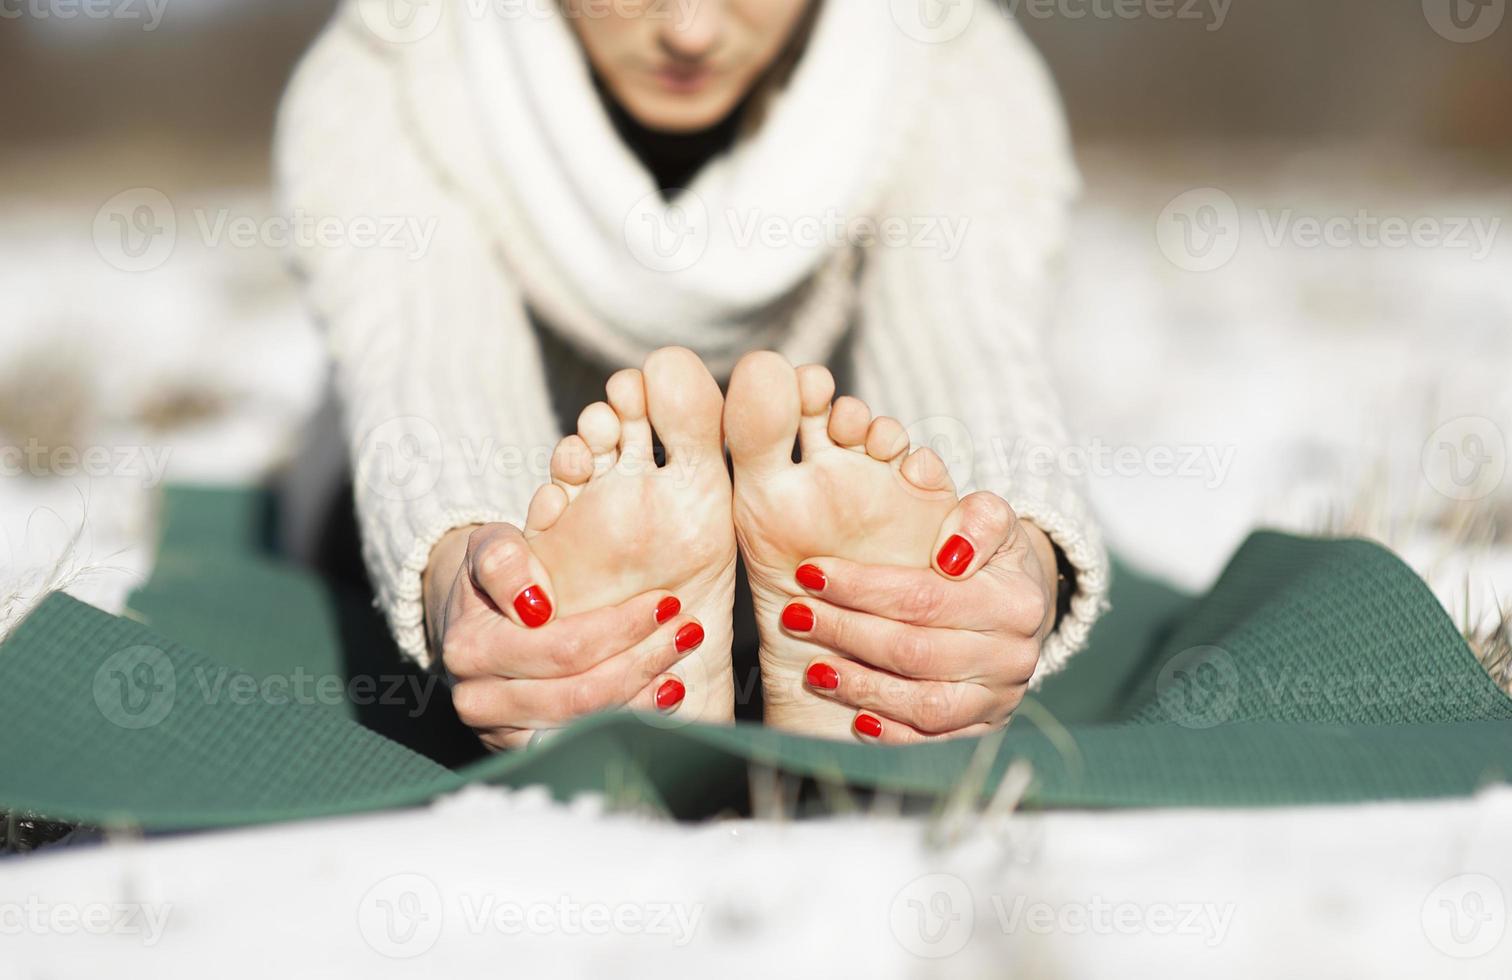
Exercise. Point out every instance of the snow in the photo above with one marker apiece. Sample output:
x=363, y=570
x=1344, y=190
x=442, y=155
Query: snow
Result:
x=508, y=882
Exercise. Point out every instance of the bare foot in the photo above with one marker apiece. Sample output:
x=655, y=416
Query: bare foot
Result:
x=613, y=525
x=857, y=494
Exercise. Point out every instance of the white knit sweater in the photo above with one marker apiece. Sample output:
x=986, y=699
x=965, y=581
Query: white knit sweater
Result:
x=953, y=194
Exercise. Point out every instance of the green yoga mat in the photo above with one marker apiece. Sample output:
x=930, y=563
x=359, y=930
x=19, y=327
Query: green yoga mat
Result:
x=1314, y=671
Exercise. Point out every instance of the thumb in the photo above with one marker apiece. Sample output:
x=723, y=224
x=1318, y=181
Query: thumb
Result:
x=503, y=567
x=972, y=534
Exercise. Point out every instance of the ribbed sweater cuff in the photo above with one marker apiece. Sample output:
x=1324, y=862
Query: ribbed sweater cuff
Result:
x=1078, y=540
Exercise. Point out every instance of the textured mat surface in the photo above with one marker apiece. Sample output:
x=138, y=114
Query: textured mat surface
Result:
x=1314, y=671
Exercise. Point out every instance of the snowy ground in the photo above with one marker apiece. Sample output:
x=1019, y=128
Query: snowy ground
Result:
x=1352, y=386
x=492, y=882
x=1360, y=386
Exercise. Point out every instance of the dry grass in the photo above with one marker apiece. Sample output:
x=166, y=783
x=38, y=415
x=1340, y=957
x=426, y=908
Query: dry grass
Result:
x=1492, y=644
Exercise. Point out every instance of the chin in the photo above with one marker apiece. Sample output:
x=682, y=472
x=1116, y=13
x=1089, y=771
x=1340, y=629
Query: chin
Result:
x=679, y=113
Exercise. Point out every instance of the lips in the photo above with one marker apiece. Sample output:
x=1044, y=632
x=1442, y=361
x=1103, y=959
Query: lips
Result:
x=683, y=79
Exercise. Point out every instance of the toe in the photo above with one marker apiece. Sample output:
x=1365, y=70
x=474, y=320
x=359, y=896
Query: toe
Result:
x=546, y=507
x=599, y=427
x=762, y=412
x=816, y=389
x=572, y=464
x=848, y=420
x=627, y=395
x=927, y=471
x=886, y=440
x=685, y=405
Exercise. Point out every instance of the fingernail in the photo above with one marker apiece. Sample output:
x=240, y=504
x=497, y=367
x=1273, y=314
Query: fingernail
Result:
x=956, y=555
x=868, y=726
x=533, y=606
x=670, y=694
x=811, y=577
x=667, y=608
x=823, y=677
x=688, y=637
x=798, y=617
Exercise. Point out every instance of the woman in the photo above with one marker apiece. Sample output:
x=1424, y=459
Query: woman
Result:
x=627, y=201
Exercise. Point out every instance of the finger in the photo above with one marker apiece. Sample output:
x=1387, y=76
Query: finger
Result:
x=562, y=648
x=664, y=695
x=980, y=524
x=504, y=739
x=869, y=727
x=921, y=652
x=557, y=702
x=505, y=571
x=909, y=595
x=927, y=706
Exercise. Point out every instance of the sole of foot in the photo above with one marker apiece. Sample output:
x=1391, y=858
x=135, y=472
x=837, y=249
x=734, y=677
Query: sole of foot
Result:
x=856, y=493
x=613, y=524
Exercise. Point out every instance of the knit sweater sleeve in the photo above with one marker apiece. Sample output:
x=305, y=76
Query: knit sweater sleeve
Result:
x=954, y=301
x=438, y=369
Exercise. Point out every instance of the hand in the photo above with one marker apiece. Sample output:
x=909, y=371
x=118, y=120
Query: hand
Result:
x=515, y=667
x=939, y=652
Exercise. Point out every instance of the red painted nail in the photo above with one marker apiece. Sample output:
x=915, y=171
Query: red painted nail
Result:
x=533, y=606
x=955, y=555
x=688, y=637
x=798, y=617
x=667, y=608
x=670, y=694
x=811, y=577
x=823, y=677
x=868, y=726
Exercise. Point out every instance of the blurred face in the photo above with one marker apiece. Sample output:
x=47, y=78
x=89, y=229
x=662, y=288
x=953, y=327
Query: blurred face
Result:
x=682, y=65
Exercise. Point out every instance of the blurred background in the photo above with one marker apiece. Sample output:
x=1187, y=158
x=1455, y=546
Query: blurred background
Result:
x=1288, y=301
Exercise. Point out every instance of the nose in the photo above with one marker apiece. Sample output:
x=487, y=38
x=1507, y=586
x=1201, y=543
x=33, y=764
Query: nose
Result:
x=693, y=29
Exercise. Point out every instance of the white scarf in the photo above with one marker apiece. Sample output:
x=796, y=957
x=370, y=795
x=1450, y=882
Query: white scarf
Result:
x=753, y=225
